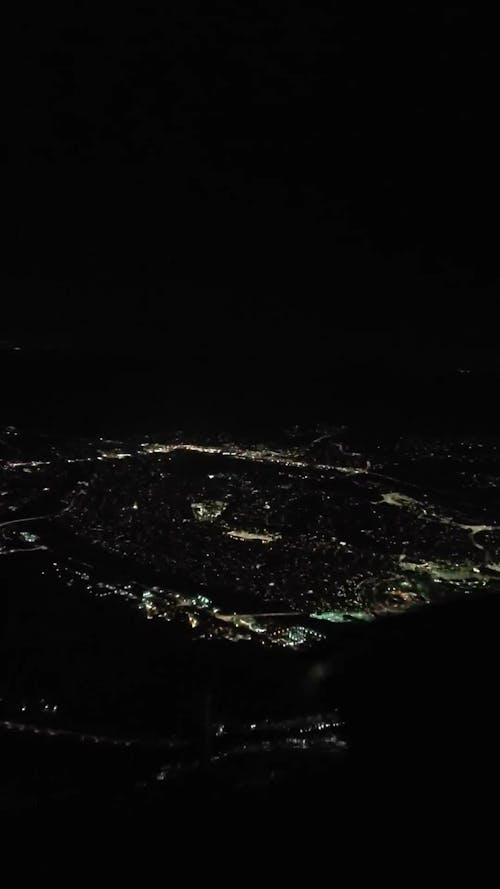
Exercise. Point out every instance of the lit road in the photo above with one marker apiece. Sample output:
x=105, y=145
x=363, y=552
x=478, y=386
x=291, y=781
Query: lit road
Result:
x=35, y=518
x=32, y=729
x=87, y=737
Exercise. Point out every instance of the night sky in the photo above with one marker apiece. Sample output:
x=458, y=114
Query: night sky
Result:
x=255, y=173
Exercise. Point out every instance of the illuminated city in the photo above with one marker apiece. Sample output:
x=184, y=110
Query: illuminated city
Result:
x=262, y=544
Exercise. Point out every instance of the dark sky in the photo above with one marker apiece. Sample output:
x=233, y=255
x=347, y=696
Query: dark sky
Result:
x=263, y=169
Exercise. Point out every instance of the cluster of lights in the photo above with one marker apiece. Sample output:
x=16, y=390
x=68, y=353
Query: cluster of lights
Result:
x=295, y=637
